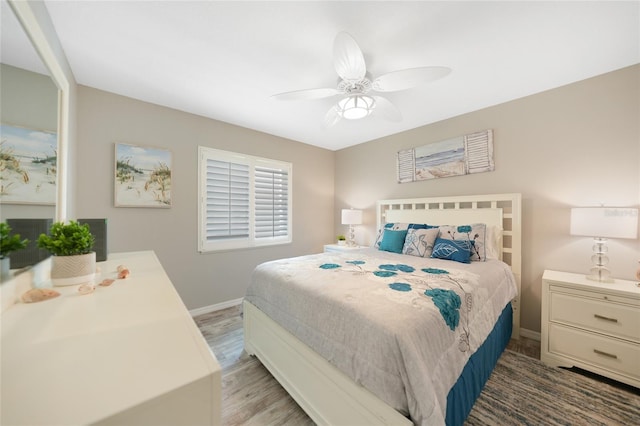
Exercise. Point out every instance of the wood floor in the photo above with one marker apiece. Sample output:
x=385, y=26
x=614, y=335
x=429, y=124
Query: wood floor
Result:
x=250, y=395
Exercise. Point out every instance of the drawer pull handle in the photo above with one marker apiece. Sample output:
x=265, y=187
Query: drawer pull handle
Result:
x=605, y=318
x=605, y=354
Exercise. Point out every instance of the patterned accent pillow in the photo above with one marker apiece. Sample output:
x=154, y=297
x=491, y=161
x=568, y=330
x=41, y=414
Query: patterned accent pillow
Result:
x=458, y=250
x=419, y=242
x=393, y=240
x=475, y=233
x=398, y=226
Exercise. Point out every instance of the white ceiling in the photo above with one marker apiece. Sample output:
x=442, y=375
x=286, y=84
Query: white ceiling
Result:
x=224, y=60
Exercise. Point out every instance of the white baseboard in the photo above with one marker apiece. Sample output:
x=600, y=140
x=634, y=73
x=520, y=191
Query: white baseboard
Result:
x=216, y=307
x=530, y=334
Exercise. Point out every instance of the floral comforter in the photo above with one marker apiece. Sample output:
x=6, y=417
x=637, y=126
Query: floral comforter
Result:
x=401, y=326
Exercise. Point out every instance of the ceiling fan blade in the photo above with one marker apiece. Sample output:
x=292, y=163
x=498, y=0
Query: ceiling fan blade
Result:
x=408, y=78
x=348, y=59
x=387, y=109
x=331, y=118
x=307, y=94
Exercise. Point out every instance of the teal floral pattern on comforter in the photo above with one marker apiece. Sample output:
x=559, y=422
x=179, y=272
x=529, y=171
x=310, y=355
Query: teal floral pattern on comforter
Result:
x=405, y=277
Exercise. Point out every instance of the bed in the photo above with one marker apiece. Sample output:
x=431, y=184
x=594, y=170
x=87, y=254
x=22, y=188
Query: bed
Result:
x=348, y=362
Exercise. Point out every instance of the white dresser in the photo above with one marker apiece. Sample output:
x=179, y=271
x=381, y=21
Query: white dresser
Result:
x=125, y=354
x=590, y=325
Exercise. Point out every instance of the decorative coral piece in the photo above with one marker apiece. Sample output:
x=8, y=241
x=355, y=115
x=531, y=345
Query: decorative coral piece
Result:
x=86, y=289
x=123, y=272
x=38, y=295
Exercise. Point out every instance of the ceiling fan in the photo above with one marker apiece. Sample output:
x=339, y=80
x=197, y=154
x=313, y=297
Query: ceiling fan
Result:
x=355, y=85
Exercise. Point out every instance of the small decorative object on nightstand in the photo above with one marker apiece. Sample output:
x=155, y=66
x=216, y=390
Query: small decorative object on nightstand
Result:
x=351, y=217
x=602, y=223
x=592, y=326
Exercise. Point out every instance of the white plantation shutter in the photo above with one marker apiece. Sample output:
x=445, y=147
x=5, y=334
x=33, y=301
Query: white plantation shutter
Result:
x=227, y=200
x=271, y=193
x=245, y=201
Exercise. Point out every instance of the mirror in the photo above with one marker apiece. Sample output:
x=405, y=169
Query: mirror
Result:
x=35, y=101
x=29, y=119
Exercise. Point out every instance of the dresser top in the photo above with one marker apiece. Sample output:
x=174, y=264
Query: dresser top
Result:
x=623, y=287
x=78, y=359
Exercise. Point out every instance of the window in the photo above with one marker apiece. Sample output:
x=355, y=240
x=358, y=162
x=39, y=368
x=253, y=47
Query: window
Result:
x=244, y=201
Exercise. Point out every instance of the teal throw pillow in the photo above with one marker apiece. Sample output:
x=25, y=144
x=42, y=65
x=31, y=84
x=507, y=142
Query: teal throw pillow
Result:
x=393, y=241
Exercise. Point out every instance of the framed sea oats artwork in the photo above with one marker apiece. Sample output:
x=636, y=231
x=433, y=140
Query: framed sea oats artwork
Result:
x=142, y=176
x=28, y=165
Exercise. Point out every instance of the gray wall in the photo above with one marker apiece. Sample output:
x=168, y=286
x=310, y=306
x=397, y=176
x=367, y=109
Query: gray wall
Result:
x=572, y=146
x=576, y=145
x=201, y=279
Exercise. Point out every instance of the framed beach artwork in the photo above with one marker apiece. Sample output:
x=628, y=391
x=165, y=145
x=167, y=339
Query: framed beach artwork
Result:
x=28, y=165
x=142, y=176
x=472, y=153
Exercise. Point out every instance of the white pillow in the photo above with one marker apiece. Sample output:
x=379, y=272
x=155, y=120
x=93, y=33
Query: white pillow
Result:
x=493, y=247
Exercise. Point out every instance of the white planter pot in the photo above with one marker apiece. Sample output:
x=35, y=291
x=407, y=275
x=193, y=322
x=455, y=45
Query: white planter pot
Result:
x=342, y=243
x=73, y=270
x=5, y=268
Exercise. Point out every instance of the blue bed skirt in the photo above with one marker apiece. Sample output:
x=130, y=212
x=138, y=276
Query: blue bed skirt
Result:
x=475, y=374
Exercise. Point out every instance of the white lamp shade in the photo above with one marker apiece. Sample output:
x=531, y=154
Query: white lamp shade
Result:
x=351, y=217
x=605, y=222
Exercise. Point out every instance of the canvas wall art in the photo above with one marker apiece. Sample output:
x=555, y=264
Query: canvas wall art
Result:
x=472, y=153
x=142, y=176
x=28, y=165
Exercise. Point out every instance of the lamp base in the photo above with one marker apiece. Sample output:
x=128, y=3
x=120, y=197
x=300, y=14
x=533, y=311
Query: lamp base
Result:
x=599, y=271
x=599, y=278
x=352, y=234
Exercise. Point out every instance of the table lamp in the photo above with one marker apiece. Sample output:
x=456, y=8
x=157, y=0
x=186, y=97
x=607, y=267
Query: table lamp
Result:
x=351, y=217
x=602, y=223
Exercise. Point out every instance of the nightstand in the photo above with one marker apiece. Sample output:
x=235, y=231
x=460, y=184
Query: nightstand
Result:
x=341, y=249
x=590, y=325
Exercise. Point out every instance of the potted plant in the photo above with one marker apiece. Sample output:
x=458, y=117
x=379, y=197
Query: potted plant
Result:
x=8, y=244
x=71, y=245
x=342, y=240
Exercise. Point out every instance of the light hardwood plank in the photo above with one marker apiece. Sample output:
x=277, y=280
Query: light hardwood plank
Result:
x=251, y=396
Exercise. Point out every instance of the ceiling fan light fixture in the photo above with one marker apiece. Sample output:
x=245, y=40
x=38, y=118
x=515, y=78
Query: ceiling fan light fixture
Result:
x=356, y=107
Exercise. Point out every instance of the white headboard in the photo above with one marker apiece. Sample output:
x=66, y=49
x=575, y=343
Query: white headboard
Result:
x=503, y=210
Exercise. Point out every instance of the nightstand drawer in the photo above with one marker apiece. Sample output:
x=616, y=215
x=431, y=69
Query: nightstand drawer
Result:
x=614, y=355
x=601, y=294
x=602, y=316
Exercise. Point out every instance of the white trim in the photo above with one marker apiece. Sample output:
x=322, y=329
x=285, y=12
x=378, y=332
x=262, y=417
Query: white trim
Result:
x=530, y=334
x=217, y=307
x=240, y=241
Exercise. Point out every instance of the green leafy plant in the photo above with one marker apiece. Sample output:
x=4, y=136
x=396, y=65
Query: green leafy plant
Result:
x=67, y=239
x=10, y=243
x=341, y=238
